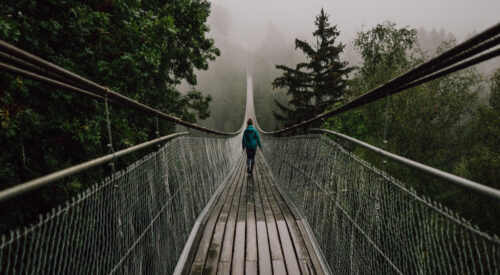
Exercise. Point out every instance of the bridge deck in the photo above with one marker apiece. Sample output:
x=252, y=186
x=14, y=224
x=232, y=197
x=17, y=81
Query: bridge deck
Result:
x=249, y=229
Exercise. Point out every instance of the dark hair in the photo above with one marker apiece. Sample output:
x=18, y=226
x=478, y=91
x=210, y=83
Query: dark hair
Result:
x=249, y=121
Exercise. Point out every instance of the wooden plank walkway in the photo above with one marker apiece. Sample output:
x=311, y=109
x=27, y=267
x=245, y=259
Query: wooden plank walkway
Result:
x=251, y=229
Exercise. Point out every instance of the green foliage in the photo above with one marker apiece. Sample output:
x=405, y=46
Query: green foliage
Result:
x=384, y=47
x=483, y=161
x=141, y=49
x=317, y=84
x=440, y=123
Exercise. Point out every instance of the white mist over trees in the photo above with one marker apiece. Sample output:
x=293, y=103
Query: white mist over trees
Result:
x=226, y=77
x=438, y=123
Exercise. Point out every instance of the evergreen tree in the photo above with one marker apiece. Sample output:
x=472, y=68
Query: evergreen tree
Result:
x=320, y=82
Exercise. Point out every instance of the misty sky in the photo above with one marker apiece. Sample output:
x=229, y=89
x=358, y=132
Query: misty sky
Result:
x=245, y=22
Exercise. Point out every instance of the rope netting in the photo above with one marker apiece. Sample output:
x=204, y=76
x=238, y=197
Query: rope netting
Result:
x=134, y=222
x=366, y=222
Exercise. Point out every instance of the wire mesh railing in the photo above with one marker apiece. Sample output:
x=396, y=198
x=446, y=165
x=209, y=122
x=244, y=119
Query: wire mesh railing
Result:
x=134, y=222
x=367, y=222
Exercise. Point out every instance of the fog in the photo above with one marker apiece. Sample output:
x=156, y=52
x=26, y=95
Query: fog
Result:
x=246, y=22
x=264, y=33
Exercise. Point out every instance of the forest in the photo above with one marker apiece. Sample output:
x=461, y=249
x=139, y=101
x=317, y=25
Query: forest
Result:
x=143, y=50
x=452, y=123
x=177, y=57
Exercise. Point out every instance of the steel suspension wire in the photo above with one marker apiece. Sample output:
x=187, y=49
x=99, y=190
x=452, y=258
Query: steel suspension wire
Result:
x=462, y=182
x=367, y=222
x=134, y=222
x=44, y=180
x=17, y=71
x=28, y=65
x=448, y=62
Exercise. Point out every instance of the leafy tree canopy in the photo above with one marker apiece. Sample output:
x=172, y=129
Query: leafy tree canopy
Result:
x=141, y=49
x=441, y=123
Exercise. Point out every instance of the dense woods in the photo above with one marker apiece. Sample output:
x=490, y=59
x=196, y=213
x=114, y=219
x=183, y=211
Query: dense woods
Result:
x=141, y=49
x=451, y=123
x=432, y=123
x=147, y=50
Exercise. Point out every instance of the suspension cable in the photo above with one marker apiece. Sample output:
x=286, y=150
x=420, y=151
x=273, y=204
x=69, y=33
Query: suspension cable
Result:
x=111, y=150
x=441, y=65
x=436, y=173
x=41, y=70
x=22, y=188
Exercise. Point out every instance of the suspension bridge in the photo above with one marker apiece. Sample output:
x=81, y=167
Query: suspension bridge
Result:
x=312, y=207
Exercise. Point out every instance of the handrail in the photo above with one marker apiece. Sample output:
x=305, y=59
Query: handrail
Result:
x=34, y=66
x=462, y=182
x=44, y=180
x=436, y=67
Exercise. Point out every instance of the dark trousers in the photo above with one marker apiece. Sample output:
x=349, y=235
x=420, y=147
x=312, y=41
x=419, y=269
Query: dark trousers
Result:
x=251, y=158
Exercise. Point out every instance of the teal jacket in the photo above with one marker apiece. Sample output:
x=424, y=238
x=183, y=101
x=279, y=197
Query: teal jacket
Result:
x=251, y=138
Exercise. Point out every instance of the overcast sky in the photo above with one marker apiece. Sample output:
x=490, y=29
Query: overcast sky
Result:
x=245, y=21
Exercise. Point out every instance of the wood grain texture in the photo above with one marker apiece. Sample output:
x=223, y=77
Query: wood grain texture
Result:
x=251, y=229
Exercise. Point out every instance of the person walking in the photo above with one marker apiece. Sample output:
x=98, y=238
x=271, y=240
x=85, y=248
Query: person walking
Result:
x=250, y=141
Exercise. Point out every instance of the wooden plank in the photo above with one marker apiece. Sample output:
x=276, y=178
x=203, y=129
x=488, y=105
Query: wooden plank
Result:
x=295, y=233
x=204, y=243
x=228, y=242
x=238, y=261
x=224, y=268
x=214, y=251
x=295, y=213
x=251, y=266
x=259, y=209
x=305, y=250
x=264, y=257
x=212, y=260
x=272, y=231
x=306, y=267
x=192, y=252
x=292, y=265
x=279, y=267
x=197, y=268
x=278, y=262
x=291, y=260
x=251, y=230
x=314, y=257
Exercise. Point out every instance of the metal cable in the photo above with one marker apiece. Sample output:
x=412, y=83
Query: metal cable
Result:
x=134, y=222
x=425, y=72
x=367, y=222
x=42, y=181
x=111, y=150
x=14, y=61
x=43, y=79
x=90, y=88
x=436, y=173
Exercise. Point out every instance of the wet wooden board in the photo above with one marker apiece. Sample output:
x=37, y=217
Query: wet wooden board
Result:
x=264, y=256
x=209, y=227
x=252, y=229
x=215, y=249
x=302, y=249
x=193, y=251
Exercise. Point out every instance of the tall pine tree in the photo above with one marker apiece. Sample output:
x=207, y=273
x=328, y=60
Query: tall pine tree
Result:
x=318, y=83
